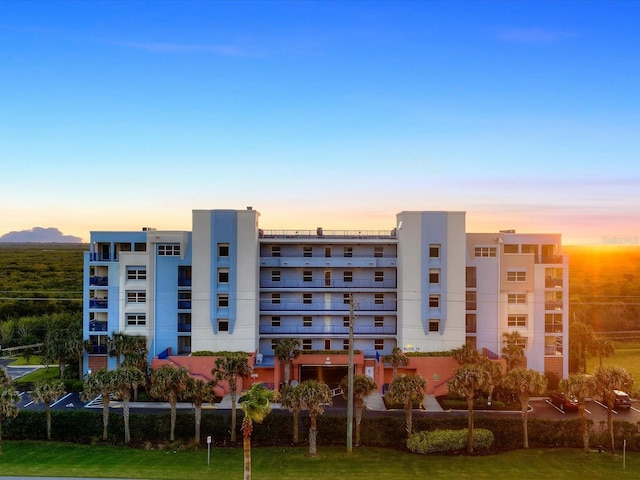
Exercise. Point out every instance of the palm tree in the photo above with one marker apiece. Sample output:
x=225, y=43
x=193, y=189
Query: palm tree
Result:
x=602, y=348
x=135, y=353
x=396, y=358
x=229, y=368
x=466, y=354
x=313, y=396
x=125, y=380
x=363, y=385
x=285, y=350
x=116, y=345
x=100, y=383
x=581, y=336
x=8, y=400
x=198, y=392
x=525, y=383
x=290, y=399
x=468, y=380
x=512, y=349
x=404, y=389
x=580, y=386
x=608, y=379
x=256, y=406
x=167, y=383
x=47, y=392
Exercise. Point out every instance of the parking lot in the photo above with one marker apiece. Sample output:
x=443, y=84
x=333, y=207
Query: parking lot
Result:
x=594, y=409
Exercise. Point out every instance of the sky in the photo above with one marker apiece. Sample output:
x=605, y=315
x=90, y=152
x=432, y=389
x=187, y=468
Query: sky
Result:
x=118, y=115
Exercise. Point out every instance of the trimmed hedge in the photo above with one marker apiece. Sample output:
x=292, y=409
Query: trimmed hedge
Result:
x=448, y=440
x=85, y=426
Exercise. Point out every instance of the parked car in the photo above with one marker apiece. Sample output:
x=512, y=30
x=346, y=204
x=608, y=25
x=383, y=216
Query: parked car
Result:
x=621, y=400
x=563, y=402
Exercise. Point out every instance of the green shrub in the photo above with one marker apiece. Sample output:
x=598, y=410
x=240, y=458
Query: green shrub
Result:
x=448, y=440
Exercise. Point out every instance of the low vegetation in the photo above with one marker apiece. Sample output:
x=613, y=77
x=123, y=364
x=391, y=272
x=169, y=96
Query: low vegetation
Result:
x=447, y=441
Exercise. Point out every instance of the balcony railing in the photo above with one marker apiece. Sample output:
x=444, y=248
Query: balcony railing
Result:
x=328, y=283
x=98, y=349
x=266, y=305
x=184, y=304
x=184, y=327
x=553, y=305
x=98, y=303
x=97, y=326
x=99, y=281
x=326, y=330
x=553, y=282
x=100, y=257
x=184, y=282
x=321, y=233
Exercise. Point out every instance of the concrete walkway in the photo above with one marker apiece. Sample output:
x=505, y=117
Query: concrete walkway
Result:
x=375, y=402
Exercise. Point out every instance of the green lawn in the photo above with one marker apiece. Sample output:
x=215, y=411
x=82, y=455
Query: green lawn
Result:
x=627, y=355
x=59, y=459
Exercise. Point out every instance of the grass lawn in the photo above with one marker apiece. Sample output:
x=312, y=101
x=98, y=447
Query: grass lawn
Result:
x=21, y=361
x=627, y=355
x=40, y=374
x=60, y=459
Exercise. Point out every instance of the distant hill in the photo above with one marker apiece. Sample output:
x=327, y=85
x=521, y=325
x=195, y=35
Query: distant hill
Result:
x=39, y=235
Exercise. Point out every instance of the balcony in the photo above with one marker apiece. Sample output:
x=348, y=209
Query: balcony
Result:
x=553, y=305
x=325, y=330
x=184, y=304
x=552, y=259
x=98, y=303
x=99, y=257
x=97, y=326
x=184, y=327
x=328, y=283
x=552, y=282
x=329, y=234
x=266, y=305
x=98, y=349
x=99, y=281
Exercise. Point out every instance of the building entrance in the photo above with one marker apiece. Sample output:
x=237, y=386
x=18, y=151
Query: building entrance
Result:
x=331, y=375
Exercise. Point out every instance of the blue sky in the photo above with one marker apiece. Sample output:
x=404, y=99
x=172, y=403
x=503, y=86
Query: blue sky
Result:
x=118, y=115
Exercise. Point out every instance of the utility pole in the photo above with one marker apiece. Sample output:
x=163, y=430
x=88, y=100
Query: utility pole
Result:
x=350, y=380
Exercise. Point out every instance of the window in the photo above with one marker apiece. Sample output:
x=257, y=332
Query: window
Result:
x=169, y=249
x=136, y=319
x=521, y=343
x=434, y=326
x=434, y=301
x=184, y=275
x=471, y=277
x=346, y=299
x=470, y=323
x=275, y=299
x=345, y=344
x=516, y=276
x=307, y=298
x=348, y=251
x=378, y=276
x=275, y=321
x=275, y=251
x=307, y=276
x=275, y=275
x=327, y=278
x=511, y=248
x=223, y=301
x=136, y=296
x=307, y=322
x=378, y=321
x=223, y=249
x=184, y=322
x=379, y=299
x=327, y=344
x=471, y=300
x=223, y=275
x=327, y=251
x=345, y=321
x=306, y=344
x=434, y=276
x=184, y=299
x=136, y=273
x=223, y=324
x=484, y=251
x=434, y=251
x=140, y=247
x=553, y=323
x=307, y=251
x=517, y=298
x=378, y=344
x=378, y=252
x=517, y=320
x=347, y=276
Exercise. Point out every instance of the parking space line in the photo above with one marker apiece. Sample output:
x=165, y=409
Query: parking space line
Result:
x=635, y=409
x=55, y=403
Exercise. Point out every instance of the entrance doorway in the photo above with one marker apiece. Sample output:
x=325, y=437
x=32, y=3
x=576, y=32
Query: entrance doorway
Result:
x=331, y=375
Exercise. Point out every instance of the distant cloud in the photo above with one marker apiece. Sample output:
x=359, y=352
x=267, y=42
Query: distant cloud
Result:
x=225, y=50
x=39, y=235
x=531, y=35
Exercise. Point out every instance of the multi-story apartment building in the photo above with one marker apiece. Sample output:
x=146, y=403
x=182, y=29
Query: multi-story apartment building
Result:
x=422, y=285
